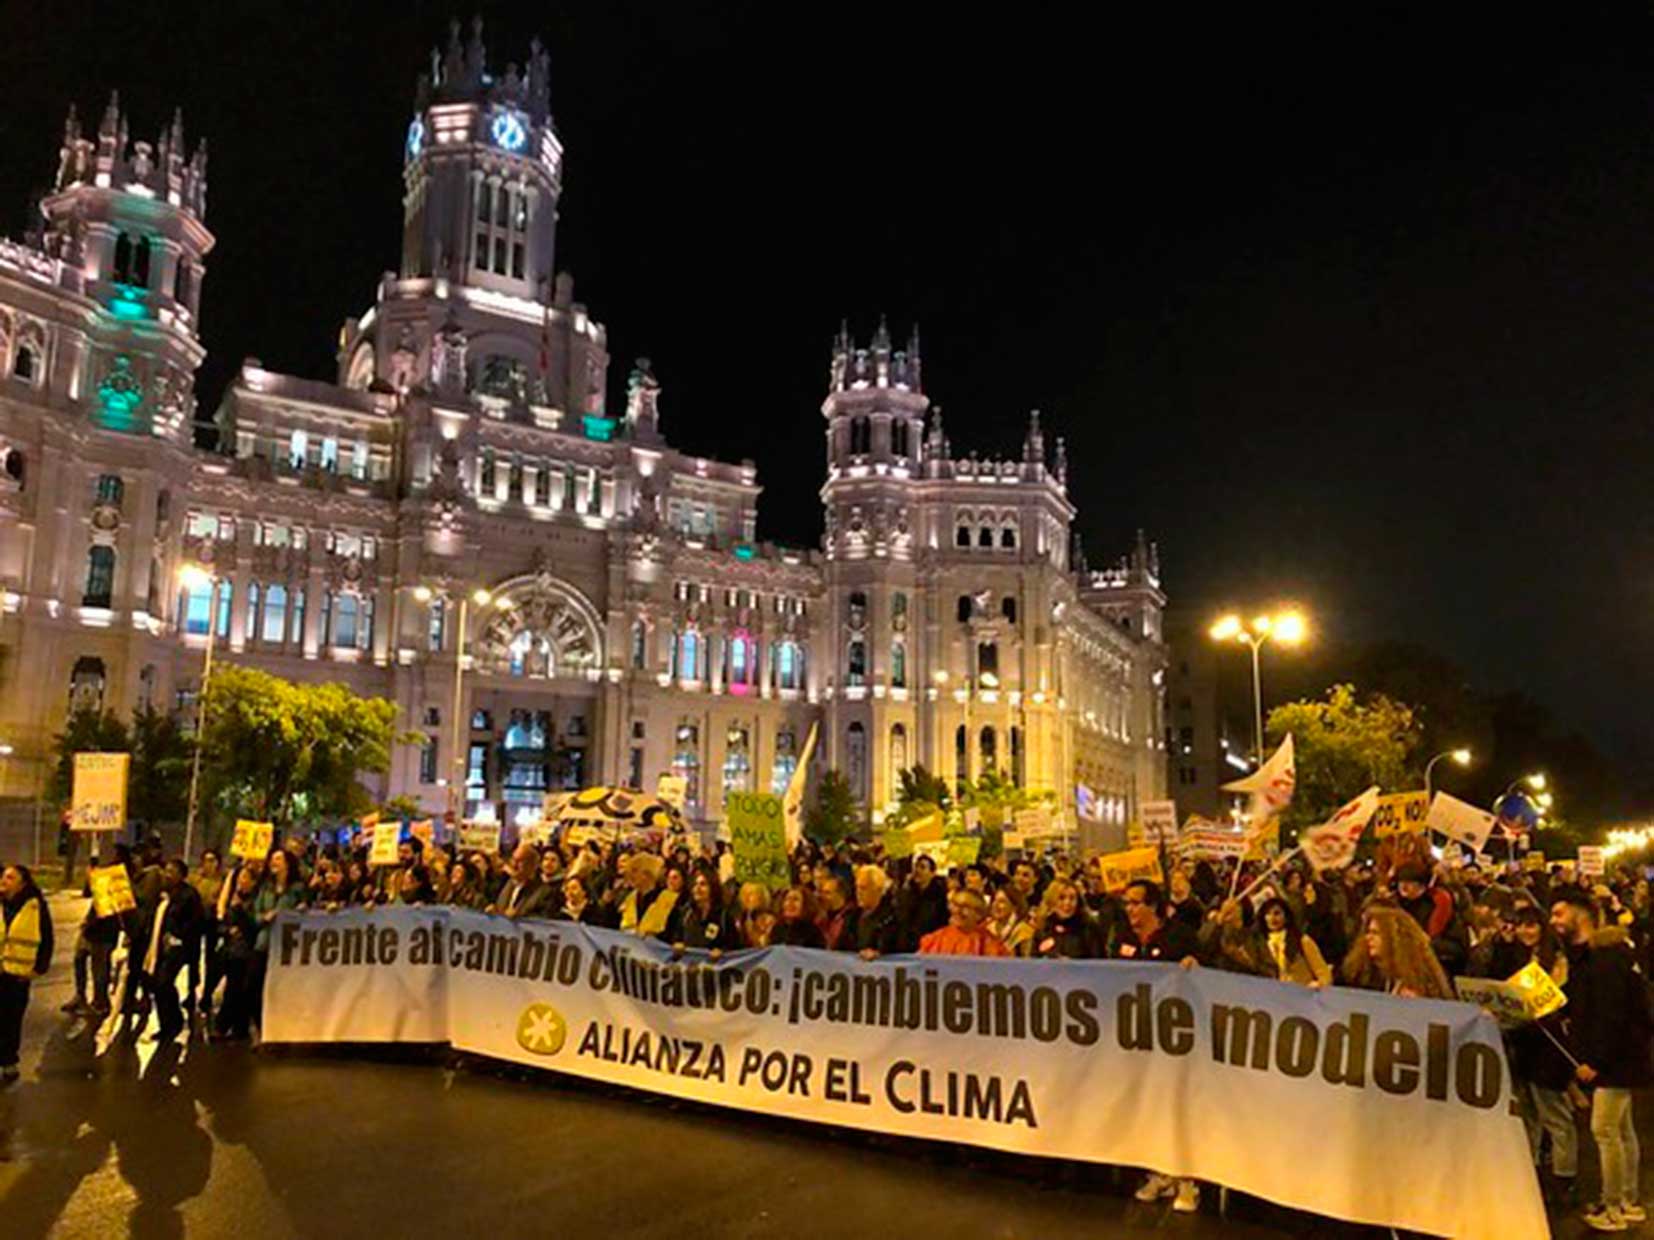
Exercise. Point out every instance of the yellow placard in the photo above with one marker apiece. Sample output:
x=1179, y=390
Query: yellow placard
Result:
x=898, y=843
x=111, y=890
x=1121, y=869
x=1534, y=860
x=484, y=838
x=964, y=850
x=927, y=830
x=1540, y=994
x=386, y=838
x=98, y=802
x=424, y=831
x=252, y=840
x=1400, y=812
x=1264, y=842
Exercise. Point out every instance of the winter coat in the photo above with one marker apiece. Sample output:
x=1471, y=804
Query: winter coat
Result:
x=1079, y=937
x=878, y=930
x=1608, y=1002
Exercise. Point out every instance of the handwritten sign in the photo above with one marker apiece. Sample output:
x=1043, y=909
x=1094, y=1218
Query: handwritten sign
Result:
x=483, y=837
x=98, y=801
x=386, y=837
x=1592, y=864
x=1158, y=821
x=111, y=890
x=1121, y=869
x=758, y=832
x=252, y=840
x=964, y=850
x=1401, y=812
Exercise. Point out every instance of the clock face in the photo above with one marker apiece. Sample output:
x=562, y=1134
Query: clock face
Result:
x=416, y=137
x=508, y=131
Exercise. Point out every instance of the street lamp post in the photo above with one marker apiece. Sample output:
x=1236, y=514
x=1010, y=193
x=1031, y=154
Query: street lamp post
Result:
x=1460, y=756
x=195, y=577
x=1286, y=629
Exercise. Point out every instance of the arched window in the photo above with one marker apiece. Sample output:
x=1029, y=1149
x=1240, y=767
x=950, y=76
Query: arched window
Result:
x=788, y=665
x=737, y=762
x=298, y=449
x=1008, y=536
x=274, y=628
x=252, y=611
x=855, y=669
x=531, y=655
x=786, y=760
x=987, y=660
x=861, y=435
x=898, y=665
x=109, y=490
x=346, y=619
x=964, y=609
x=26, y=364
x=123, y=258
x=740, y=662
x=858, y=609
x=985, y=536
x=640, y=645
x=100, y=577
x=686, y=761
x=195, y=609
x=689, y=655
x=140, y=263
x=962, y=535
x=855, y=745
x=12, y=462
x=1008, y=608
x=990, y=749
x=898, y=749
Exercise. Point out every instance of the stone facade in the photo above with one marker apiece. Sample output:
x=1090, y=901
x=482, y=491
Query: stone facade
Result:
x=633, y=623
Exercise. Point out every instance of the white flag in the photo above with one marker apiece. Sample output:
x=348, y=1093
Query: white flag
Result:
x=792, y=805
x=1332, y=844
x=1271, y=784
x=1459, y=820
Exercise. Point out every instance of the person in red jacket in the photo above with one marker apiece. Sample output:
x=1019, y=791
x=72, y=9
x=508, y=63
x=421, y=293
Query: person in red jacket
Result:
x=964, y=935
x=1433, y=909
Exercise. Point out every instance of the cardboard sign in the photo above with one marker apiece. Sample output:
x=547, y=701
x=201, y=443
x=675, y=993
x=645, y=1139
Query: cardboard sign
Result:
x=1534, y=861
x=1211, y=843
x=252, y=840
x=1459, y=820
x=1401, y=812
x=536, y=833
x=98, y=801
x=936, y=850
x=1013, y=841
x=424, y=831
x=1121, y=869
x=758, y=832
x=111, y=890
x=1591, y=861
x=1540, y=992
x=1501, y=1000
x=672, y=789
x=1032, y=822
x=898, y=843
x=386, y=837
x=1159, y=821
x=964, y=850
x=480, y=837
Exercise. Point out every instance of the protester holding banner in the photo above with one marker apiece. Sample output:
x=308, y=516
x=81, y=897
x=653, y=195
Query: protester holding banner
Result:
x=1149, y=935
x=94, y=948
x=1008, y=921
x=647, y=906
x=1065, y=929
x=578, y=904
x=700, y=922
x=239, y=930
x=522, y=884
x=835, y=915
x=964, y=935
x=1273, y=946
x=25, y=954
x=753, y=917
x=1539, y=1063
x=795, y=924
x=1608, y=1001
x=465, y=888
x=1393, y=954
x=1185, y=905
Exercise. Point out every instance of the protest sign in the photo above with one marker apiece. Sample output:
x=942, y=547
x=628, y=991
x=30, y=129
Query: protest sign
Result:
x=480, y=837
x=111, y=890
x=1012, y=841
x=672, y=789
x=1159, y=821
x=552, y=805
x=1018, y=1058
x=1499, y=999
x=898, y=843
x=387, y=836
x=963, y=850
x=1401, y=812
x=424, y=831
x=1540, y=993
x=1211, y=843
x=1591, y=862
x=1459, y=820
x=1534, y=860
x=927, y=829
x=97, y=801
x=252, y=840
x=970, y=819
x=758, y=834
x=936, y=850
x=1033, y=823
x=1121, y=869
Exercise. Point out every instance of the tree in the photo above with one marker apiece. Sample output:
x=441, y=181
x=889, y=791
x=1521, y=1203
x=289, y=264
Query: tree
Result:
x=834, y=817
x=1342, y=745
x=158, y=787
x=289, y=753
x=919, y=795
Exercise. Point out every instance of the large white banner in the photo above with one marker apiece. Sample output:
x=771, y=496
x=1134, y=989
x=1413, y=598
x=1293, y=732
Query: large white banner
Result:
x=1194, y=1072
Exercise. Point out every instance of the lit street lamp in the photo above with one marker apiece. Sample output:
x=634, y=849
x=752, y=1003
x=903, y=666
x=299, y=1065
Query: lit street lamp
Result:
x=1459, y=756
x=1288, y=628
x=482, y=598
x=194, y=577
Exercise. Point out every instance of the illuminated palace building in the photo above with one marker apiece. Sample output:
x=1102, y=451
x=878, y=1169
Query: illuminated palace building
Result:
x=634, y=624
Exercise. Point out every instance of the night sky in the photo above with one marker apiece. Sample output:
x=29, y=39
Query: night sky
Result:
x=1352, y=314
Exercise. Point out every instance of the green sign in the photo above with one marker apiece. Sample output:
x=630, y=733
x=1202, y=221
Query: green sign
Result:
x=898, y=843
x=758, y=832
x=963, y=849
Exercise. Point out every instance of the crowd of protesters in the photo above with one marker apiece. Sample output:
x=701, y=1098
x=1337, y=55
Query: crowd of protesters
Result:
x=1405, y=927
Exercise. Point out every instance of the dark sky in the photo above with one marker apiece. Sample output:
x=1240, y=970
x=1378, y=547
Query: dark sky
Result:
x=1353, y=312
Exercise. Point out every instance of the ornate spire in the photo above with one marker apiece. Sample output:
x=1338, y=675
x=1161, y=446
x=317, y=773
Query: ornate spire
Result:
x=476, y=56
x=1033, y=444
x=1060, y=465
x=111, y=116
x=71, y=126
x=643, y=400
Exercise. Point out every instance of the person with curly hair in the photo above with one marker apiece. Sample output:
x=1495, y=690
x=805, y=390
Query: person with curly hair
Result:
x=1393, y=954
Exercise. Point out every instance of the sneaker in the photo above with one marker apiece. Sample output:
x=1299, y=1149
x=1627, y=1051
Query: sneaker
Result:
x=1605, y=1218
x=1632, y=1212
x=1156, y=1187
x=1188, y=1197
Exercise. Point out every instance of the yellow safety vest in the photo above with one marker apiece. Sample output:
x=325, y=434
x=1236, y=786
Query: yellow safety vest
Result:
x=20, y=941
x=654, y=917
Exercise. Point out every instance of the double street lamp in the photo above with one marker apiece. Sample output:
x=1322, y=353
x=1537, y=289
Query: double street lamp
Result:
x=482, y=598
x=1461, y=757
x=1287, y=629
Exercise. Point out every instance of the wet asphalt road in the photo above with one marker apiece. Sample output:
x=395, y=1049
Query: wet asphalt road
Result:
x=109, y=1136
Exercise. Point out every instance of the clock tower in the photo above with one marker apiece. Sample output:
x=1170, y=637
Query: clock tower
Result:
x=482, y=170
